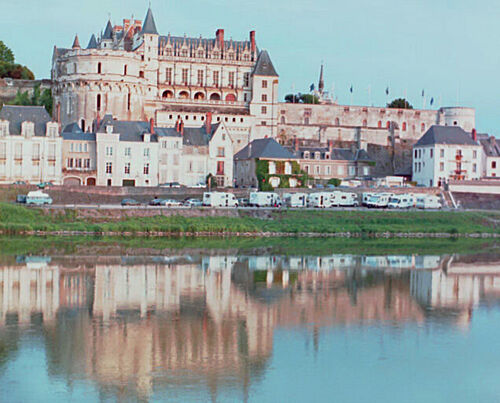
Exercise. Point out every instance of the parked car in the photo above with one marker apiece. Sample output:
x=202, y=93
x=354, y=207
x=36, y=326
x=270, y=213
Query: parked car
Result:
x=130, y=202
x=193, y=203
x=171, y=203
x=155, y=202
x=319, y=186
x=38, y=198
x=21, y=199
x=199, y=186
x=43, y=185
x=19, y=183
x=171, y=185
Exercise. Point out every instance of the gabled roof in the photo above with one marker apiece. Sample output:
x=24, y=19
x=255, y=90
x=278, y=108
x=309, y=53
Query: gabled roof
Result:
x=490, y=145
x=72, y=128
x=16, y=115
x=264, y=148
x=149, y=26
x=264, y=66
x=92, y=43
x=128, y=130
x=108, y=32
x=445, y=135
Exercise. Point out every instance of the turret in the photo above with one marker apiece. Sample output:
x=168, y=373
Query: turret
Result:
x=321, y=84
x=76, y=43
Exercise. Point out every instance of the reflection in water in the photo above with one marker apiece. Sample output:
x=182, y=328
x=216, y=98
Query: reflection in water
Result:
x=134, y=326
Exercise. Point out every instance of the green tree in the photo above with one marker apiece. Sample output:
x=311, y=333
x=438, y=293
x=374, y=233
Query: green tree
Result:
x=400, y=103
x=293, y=98
x=309, y=99
x=38, y=98
x=6, y=55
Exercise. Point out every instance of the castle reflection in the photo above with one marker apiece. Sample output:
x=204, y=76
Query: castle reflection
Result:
x=133, y=324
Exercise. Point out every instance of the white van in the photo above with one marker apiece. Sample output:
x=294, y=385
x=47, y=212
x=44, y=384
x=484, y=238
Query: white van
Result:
x=380, y=200
x=402, y=201
x=37, y=197
x=344, y=199
x=264, y=199
x=429, y=202
x=319, y=200
x=365, y=198
x=219, y=199
x=295, y=199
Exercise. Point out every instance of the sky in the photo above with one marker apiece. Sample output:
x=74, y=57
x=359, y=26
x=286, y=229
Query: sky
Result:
x=447, y=48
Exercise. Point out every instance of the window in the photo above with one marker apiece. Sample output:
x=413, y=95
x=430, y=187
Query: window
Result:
x=474, y=168
x=168, y=75
x=263, y=110
x=246, y=79
x=98, y=102
x=474, y=154
x=109, y=151
x=220, y=167
x=404, y=126
x=216, y=78
x=127, y=152
x=86, y=163
x=99, y=68
x=387, y=125
x=200, y=77
x=85, y=148
x=442, y=153
x=416, y=153
x=146, y=169
x=365, y=123
x=264, y=97
x=272, y=167
x=432, y=153
x=125, y=70
x=263, y=123
x=220, y=152
x=185, y=76
x=128, y=101
x=441, y=166
x=337, y=122
x=231, y=79
x=141, y=74
x=127, y=168
x=184, y=52
x=283, y=120
x=328, y=170
x=422, y=127
x=78, y=163
x=69, y=163
x=379, y=124
x=306, y=120
x=201, y=54
x=493, y=164
x=318, y=169
x=109, y=167
x=146, y=152
x=264, y=83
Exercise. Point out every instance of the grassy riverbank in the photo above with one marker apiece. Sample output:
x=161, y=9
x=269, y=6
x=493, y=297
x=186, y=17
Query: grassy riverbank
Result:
x=16, y=219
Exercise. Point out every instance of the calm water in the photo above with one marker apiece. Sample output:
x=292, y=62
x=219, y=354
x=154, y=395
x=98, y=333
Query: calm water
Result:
x=219, y=327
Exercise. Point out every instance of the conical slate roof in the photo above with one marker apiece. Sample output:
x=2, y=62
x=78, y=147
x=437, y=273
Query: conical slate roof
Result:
x=149, y=26
x=92, y=43
x=264, y=66
x=108, y=33
x=76, y=43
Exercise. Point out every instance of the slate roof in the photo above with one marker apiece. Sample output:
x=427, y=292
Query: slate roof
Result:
x=16, y=115
x=149, y=26
x=108, y=32
x=490, y=145
x=128, y=130
x=264, y=65
x=194, y=43
x=337, y=154
x=264, y=148
x=78, y=136
x=92, y=43
x=445, y=135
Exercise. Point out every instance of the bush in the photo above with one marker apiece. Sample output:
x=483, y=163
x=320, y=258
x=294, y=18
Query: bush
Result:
x=335, y=182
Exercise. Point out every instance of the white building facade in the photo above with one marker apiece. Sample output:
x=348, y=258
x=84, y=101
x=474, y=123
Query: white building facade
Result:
x=30, y=146
x=446, y=153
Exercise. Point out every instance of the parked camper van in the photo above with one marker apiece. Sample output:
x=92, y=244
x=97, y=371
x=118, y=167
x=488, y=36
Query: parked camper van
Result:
x=319, y=200
x=402, y=201
x=219, y=199
x=365, y=198
x=380, y=200
x=429, y=202
x=38, y=198
x=264, y=199
x=295, y=199
x=344, y=199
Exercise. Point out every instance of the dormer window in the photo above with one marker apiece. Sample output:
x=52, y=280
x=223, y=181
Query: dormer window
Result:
x=4, y=128
x=52, y=129
x=168, y=52
x=317, y=155
x=327, y=156
x=201, y=54
x=109, y=129
x=184, y=52
x=306, y=154
x=28, y=129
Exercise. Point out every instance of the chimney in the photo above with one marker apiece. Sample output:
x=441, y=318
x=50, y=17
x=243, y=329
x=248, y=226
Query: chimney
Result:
x=330, y=146
x=296, y=141
x=220, y=38
x=474, y=135
x=97, y=123
x=152, y=126
x=253, y=46
x=181, y=127
x=208, y=122
x=177, y=125
x=58, y=112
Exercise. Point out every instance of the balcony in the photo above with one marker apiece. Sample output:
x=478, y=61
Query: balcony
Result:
x=202, y=102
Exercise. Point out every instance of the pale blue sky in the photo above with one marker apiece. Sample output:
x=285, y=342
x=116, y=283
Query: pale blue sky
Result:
x=450, y=48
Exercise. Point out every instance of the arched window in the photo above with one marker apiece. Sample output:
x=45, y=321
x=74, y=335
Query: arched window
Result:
x=141, y=74
x=98, y=102
x=167, y=94
x=404, y=126
x=215, y=97
x=365, y=123
x=337, y=122
x=230, y=98
x=99, y=68
x=379, y=124
x=199, y=95
x=422, y=127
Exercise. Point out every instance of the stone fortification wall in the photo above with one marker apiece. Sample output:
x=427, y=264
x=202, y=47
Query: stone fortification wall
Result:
x=10, y=87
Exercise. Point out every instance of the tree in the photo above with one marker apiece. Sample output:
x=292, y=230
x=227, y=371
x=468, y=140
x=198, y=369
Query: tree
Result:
x=400, y=103
x=309, y=99
x=293, y=98
x=38, y=98
x=6, y=54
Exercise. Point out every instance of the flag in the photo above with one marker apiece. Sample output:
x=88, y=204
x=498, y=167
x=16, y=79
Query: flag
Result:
x=387, y=91
x=351, y=89
x=311, y=88
x=423, y=93
x=432, y=101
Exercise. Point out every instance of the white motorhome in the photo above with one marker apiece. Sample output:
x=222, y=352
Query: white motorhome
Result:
x=295, y=199
x=365, y=198
x=264, y=199
x=37, y=197
x=219, y=199
x=429, y=202
x=380, y=200
x=344, y=199
x=319, y=200
x=401, y=201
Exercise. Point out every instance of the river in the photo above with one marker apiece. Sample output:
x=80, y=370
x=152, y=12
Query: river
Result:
x=257, y=326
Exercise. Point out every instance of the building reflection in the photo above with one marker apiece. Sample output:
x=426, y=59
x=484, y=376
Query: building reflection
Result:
x=134, y=324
